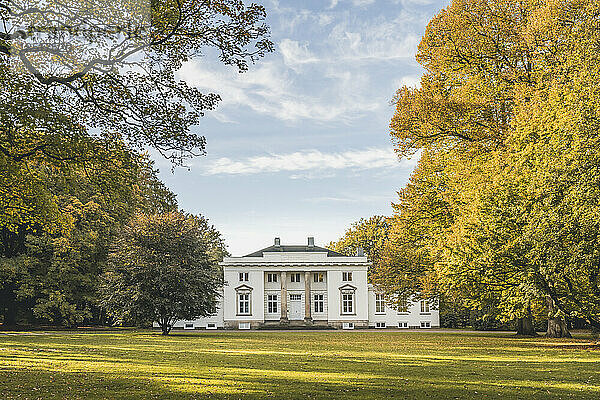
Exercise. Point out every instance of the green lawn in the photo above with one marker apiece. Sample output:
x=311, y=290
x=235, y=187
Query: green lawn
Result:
x=318, y=364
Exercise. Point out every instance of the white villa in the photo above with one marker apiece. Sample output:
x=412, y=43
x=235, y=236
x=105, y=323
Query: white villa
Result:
x=305, y=285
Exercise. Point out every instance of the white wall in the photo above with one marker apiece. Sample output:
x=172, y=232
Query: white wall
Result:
x=413, y=317
x=334, y=283
x=255, y=281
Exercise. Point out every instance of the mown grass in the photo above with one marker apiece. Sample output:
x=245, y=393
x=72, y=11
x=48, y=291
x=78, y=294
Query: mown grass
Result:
x=288, y=365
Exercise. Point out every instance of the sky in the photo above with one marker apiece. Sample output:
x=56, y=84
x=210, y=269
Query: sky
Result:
x=300, y=144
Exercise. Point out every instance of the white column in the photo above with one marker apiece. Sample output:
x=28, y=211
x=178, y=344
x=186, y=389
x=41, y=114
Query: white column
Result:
x=307, y=315
x=283, y=294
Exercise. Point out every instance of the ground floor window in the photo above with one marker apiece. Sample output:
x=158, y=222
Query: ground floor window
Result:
x=319, y=300
x=243, y=303
x=425, y=324
x=295, y=297
x=272, y=303
x=379, y=303
x=347, y=302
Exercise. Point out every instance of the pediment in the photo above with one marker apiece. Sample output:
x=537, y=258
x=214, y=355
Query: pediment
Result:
x=243, y=287
x=347, y=287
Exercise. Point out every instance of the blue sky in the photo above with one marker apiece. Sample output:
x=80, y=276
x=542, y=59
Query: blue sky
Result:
x=300, y=145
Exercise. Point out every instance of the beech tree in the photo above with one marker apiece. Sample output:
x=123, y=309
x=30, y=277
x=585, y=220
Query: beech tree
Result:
x=164, y=268
x=110, y=66
x=502, y=208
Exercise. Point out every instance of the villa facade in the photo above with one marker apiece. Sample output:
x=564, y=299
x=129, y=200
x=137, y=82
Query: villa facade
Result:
x=306, y=285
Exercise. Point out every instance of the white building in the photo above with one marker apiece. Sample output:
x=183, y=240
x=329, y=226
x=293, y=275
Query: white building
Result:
x=305, y=285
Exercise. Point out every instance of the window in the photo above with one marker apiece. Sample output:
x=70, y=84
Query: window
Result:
x=347, y=302
x=403, y=324
x=319, y=277
x=296, y=297
x=272, y=303
x=379, y=303
x=379, y=324
x=243, y=277
x=319, y=301
x=188, y=326
x=211, y=325
x=295, y=278
x=243, y=303
x=424, y=307
x=425, y=324
x=271, y=277
x=347, y=276
x=244, y=325
x=348, y=325
x=403, y=309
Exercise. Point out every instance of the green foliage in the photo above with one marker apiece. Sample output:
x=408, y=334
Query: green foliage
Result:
x=164, y=268
x=368, y=234
x=111, y=66
x=502, y=210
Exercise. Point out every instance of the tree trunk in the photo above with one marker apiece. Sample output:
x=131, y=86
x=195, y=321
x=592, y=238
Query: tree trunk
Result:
x=10, y=313
x=557, y=327
x=525, y=324
x=165, y=326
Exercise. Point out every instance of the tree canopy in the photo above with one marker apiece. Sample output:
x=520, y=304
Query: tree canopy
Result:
x=164, y=268
x=502, y=209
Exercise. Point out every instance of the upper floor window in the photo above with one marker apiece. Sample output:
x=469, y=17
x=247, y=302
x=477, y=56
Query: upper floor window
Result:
x=271, y=277
x=272, y=304
x=379, y=303
x=243, y=277
x=347, y=276
x=424, y=306
x=319, y=277
x=295, y=278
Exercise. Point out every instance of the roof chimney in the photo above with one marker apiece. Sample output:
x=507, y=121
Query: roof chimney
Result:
x=277, y=242
x=360, y=252
x=311, y=241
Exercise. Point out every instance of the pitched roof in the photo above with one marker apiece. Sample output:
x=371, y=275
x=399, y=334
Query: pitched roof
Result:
x=295, y=249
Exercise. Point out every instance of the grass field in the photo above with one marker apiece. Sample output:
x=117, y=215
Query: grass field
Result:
x=326, y=364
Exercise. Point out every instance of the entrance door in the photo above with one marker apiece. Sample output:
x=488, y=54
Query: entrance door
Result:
x=296, y=307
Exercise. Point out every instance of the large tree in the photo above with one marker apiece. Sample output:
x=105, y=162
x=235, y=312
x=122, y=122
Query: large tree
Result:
x=110, y=66
x=164, y=268
x=51, y=271
x=505, y=120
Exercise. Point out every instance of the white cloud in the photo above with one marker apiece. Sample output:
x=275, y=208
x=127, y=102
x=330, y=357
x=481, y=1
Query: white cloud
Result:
x=409, y=80
x=307, y=161
x=295, y=53
x=271, y=88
